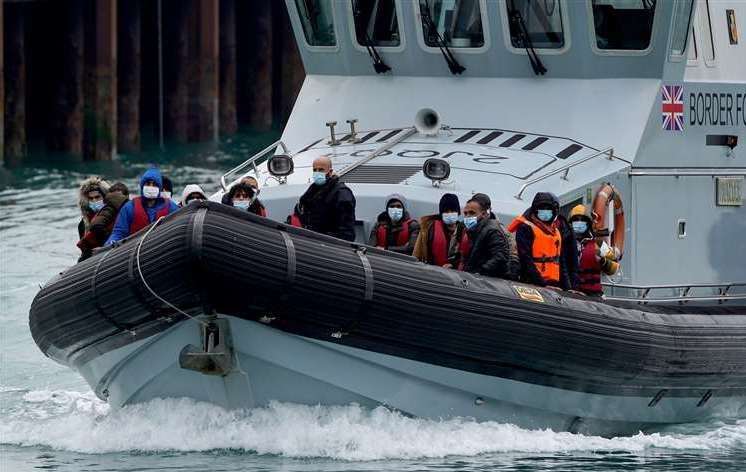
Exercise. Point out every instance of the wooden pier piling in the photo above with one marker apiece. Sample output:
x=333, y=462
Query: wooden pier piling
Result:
x=129, y=75
x=15, y=83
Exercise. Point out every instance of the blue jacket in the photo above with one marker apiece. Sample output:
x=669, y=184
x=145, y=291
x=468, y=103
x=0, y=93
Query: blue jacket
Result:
x=124, y=219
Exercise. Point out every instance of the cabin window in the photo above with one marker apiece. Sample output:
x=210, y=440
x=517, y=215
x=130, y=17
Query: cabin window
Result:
x=317, y=19
x=536, y=23
x=730, y=15
x=693, y=51
x=458, y=22
x=376, y=22
x=625, y=25
x=681, y=26
x=708, y=43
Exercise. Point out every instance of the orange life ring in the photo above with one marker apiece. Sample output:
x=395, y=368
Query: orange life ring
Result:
x=605, y=195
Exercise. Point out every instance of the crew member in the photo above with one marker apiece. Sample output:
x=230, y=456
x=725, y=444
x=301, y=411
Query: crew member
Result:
x=192, y=192
x=591, y=262
x=143, y=210
x=437, y=231
x=102, y=224
x=395, y=230
x=328, y=206
x=485, y=249
x=539, y=242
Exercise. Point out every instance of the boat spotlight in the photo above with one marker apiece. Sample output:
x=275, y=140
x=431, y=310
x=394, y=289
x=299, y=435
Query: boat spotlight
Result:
x=427, y=122
x=436, y=170
x=280, y=166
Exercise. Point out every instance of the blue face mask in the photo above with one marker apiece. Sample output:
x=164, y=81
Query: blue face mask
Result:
x=242, y=204
x=545, y=215
x=395, y=214
x=319, y=178
x=470, y=221
x=579, y=227
x=450, y=218
x=96, y=206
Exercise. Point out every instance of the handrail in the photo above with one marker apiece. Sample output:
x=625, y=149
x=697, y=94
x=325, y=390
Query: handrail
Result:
x=252, y=161
x=566, y=169
x=686, y=289
x=654, y=287
x=650, y=301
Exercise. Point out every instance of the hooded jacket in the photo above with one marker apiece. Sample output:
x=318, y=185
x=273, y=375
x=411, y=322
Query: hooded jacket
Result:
x=88, y=185
x=102, y=224
x=393, y=230
x=190, y=189
x=126, y=213
x=329, y=209
x=423, y=245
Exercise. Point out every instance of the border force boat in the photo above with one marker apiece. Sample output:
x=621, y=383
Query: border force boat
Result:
x=503, y=97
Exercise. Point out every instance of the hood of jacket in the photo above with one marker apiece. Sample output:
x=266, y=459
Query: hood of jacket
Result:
x=116, y=199
x=154, y=175
x=88, y=185
x=190, y=189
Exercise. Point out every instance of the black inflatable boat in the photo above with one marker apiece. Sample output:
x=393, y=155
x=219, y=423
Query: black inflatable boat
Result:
x=524, y=351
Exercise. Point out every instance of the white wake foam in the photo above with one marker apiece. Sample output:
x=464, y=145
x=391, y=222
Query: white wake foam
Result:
x=80, y=422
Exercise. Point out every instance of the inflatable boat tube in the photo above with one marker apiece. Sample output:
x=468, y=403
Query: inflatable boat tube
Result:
x=210, y=258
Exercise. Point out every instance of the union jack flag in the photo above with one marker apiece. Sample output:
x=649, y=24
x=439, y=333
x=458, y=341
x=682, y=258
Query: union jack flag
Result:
x=672, y=107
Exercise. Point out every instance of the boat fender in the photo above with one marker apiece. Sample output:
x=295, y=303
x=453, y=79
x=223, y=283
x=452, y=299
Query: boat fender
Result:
x=291, y=260
x=605, y=195
x=361, y=252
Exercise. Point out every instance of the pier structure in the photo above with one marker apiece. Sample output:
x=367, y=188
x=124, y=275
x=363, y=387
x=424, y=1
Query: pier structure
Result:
x=90, y=78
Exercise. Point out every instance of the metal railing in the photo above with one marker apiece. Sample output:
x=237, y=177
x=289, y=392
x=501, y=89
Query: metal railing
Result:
x=252, y=162
x=565, y=170
x=685, y=293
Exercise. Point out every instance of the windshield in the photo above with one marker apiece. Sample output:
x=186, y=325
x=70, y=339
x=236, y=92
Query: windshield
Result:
x=623, y=24
x=376, y=22
x=543, y=20
x=318, y=22
x=459, y=23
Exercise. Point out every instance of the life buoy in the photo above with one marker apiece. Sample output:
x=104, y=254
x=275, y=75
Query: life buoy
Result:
x=605, y=195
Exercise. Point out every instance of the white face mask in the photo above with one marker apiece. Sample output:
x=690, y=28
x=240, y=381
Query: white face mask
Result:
x=165, y=194
x=150, y=191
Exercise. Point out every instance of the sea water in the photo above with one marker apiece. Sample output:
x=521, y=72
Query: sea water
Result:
x=49, y=418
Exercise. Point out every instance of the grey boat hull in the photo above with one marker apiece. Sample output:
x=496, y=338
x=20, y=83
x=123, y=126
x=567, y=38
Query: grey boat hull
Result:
x=271, y=365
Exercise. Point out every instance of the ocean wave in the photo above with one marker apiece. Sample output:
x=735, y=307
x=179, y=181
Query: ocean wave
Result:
x=79, y=422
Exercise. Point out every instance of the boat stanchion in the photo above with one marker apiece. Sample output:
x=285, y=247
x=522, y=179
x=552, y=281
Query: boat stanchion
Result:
x=658, y=396
x=215, y=356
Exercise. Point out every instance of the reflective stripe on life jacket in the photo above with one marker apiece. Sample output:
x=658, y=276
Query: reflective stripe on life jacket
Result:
x=140, y=215
x=545, y=251
x=589, y=269
x=382, y=234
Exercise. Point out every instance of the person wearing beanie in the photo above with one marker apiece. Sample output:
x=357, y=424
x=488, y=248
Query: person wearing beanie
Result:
x=394, y=229
x=438, y=231
x=592, y=261
x=539, y=242
x=141, y=211
x=192, y=192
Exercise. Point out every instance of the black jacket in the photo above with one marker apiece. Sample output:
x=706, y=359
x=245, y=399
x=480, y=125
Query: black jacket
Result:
x=329, y=209
x=392, y=233
x=490, y=250
x=569, y=276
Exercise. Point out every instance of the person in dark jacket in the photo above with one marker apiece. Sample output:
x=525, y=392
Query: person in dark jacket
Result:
x=394, y=229
x=514, y=264
x=102, y=223
x=141, y=211
x=90, y=200
x=244, y=197
x=168, y=188
x=569, y=277
x=328, y=206
x=438, y=231
x=485, y=250
x=539, y=242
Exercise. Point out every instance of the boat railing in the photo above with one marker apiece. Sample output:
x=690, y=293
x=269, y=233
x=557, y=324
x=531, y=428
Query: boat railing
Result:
x=565, y=170
x=677, y=293
x=252, y=161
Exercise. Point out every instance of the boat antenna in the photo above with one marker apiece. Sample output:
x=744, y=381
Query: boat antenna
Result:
x=519, y=25
x=427, y=20
x=378, y=65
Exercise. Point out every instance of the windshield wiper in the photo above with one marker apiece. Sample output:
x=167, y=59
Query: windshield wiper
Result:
x=519, y=25
x=453, y=64
x=378, y=65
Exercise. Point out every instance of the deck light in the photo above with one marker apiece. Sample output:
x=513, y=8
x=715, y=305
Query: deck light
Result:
x=280, y=166
x=436, y=170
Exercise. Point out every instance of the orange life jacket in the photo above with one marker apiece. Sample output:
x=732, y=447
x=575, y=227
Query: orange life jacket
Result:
x=545, y=251
x=382, y=236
